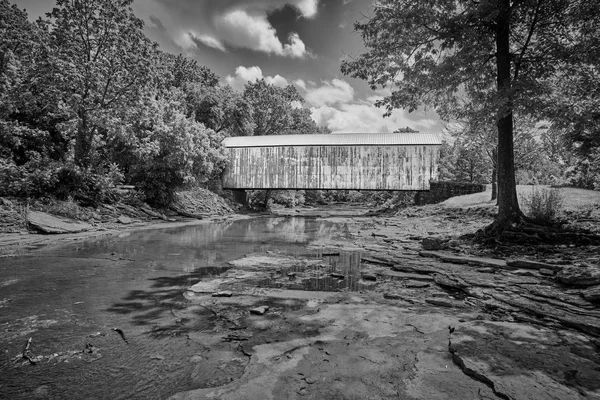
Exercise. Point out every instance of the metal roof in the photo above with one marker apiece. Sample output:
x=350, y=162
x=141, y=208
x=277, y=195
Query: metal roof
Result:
x=336, y=139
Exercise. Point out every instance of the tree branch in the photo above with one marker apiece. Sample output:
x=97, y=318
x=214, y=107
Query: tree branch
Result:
x=519, y=62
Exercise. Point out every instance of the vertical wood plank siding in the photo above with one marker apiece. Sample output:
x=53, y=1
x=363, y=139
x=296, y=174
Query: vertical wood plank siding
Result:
x=408, y=167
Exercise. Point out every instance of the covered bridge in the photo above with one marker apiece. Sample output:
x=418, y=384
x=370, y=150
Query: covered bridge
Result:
x=356, y=161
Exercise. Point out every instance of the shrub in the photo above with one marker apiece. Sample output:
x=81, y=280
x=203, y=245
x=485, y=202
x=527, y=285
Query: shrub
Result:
x=34, y=179
x=261, y=199
x=544, y=205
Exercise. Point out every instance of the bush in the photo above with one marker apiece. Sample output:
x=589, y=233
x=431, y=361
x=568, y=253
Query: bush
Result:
x=34, y=179
x=41, y=177
x=544, y=205
x=586, y=173
x=260, y=199
x=170, y=151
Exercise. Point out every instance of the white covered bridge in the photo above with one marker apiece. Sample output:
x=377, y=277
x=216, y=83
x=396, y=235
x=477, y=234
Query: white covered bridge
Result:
x=351, y=161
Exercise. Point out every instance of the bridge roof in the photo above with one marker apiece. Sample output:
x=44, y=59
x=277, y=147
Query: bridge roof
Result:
x=336, y=139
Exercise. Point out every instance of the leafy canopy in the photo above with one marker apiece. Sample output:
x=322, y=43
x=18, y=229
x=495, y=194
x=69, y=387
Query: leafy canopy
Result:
x=433, y=52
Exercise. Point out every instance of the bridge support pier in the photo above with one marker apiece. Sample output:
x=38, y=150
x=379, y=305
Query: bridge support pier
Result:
x=239, y=196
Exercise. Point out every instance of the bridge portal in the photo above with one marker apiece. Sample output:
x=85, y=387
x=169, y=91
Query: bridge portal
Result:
x=350, y=161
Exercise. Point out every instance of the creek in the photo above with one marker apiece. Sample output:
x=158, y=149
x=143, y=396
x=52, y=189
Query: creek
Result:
x=74, y=301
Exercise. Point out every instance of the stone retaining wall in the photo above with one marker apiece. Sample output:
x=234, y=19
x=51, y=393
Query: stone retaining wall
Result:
x=440, y=191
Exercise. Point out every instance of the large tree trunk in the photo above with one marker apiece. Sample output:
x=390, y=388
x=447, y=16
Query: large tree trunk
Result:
x=495, y=174
x=508, y=204
x=83, y=140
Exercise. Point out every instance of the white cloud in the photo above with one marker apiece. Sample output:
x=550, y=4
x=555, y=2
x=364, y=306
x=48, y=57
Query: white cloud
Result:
x=277, y=80
x=308, y=8
x=210, y=41
x=252, y=74
x=185, y=40
x=296, y=48
x=227, y=24
x=300, y=83
x=364, y=117
x=336, y=91
x=251, y=31
x=333, y=104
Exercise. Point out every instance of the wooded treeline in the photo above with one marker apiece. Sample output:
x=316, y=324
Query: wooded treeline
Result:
x=87, y=101
x=498, y=68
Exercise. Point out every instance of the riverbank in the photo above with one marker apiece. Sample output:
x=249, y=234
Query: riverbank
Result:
x=422, y=313
x=337, y=302
x=19, y=232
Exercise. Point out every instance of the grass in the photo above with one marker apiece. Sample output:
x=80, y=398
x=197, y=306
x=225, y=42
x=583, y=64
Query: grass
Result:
x=574, y=199
x=68, y=209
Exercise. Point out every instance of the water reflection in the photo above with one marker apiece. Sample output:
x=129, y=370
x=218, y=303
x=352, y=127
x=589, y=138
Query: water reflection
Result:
x=191, y=247
x=341, y=271
x=82, y=288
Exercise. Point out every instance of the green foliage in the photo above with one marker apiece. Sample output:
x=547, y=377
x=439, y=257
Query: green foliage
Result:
x=87, y=102
x=178, y=71
x=586, y=172
x=503, y=56
x=220, y=108
x=168, y=150
x=261, y=199
x=303, y=124
x=41, y=178
x=544, y=205
x=464, y=162
x=277, y=111
x=100, y=60
x=33, y=179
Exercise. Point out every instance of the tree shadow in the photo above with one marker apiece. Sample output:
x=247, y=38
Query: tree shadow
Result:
x=161, y=305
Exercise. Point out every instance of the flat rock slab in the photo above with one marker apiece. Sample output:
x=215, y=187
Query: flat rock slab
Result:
x=416, y=284
x=259, y=310
x=529, y=264
x=124, y=220
x=580, y=275
x=592, y=293
x=524, y=362
x=456, y=259
x=51, y=224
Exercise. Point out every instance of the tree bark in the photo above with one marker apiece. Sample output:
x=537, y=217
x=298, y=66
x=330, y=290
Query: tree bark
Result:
x=508, y=204
x=494, y=174
x=83, y=141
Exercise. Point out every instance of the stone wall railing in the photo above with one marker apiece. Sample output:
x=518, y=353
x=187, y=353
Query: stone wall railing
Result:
x=440, y=191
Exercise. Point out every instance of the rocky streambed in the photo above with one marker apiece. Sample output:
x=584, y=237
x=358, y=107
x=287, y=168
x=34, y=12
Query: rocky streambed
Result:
x=396, y=313
x=353, y=307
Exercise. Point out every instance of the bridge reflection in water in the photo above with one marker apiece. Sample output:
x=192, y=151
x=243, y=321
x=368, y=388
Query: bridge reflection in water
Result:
x=339, y=271
x=191, y=248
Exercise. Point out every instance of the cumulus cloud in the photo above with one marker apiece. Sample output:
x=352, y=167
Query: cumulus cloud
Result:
x=252, y=74
x=336, y=91
x=228, y=24
x=308, y=8
x=209, y=41
x=300, y=83
x=364, y=117
x=333, y=104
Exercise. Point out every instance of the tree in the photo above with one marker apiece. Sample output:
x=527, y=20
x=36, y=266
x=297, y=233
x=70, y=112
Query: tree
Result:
x=273, y=108
x=303, y=124
x=101, y=61
x=408, y=129
x=161, y=149
x=179, y=71
x=29, y=107
x=220, y=108
x=427, y=52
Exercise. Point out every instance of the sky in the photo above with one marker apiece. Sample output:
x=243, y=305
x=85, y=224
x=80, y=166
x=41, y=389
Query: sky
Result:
x=287, y=42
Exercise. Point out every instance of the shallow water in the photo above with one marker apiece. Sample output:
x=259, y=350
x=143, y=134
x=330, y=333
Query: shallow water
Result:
x=68, y=299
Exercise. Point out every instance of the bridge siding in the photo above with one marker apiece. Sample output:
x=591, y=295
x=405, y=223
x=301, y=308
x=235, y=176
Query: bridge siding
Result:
x=332, y=167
